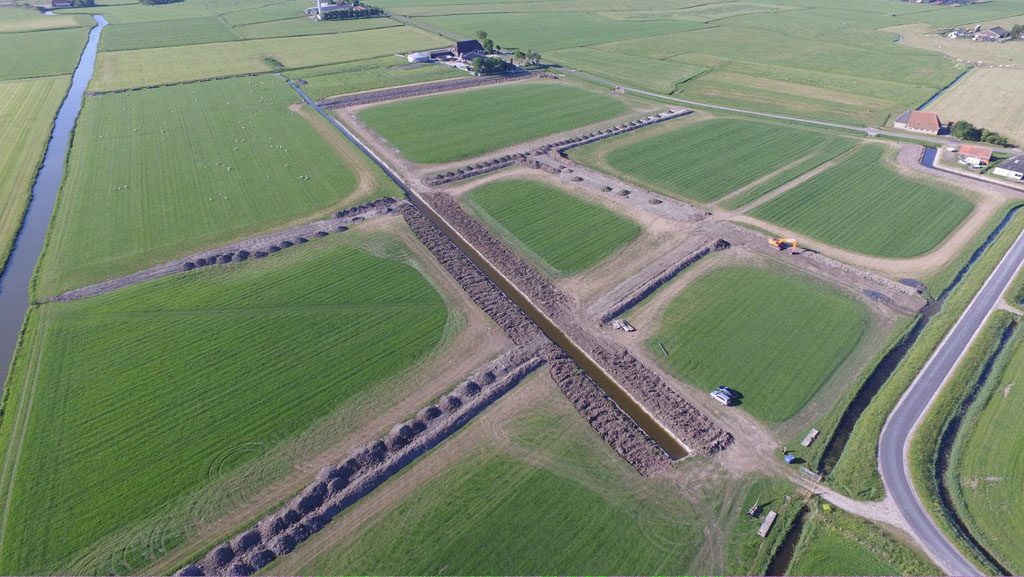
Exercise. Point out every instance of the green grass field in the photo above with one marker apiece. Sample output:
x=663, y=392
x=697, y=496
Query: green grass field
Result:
x=989, y=482
x=19, y=19
x=837, y=543
x=773, y=336
x=158, y=66
x=163, y=388
x=564, y=233
x=553, y=498
x=864, y=205
x=704, y=161
x=162, y=33
x=369, y=74
x=45, y=53
x=28, y=108
x=158, y=173
x=545, y=30
x=303, y=26
x=461, y=125
x=656, y=75
x=826, y=152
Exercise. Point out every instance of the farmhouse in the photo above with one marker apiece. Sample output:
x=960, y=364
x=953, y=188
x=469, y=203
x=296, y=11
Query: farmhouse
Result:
x=1011, y=168
x=997, y=34
x=463, y=49
x=919, y=121
x=976, y=156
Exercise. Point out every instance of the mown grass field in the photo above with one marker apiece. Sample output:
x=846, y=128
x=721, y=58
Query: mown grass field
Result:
x=864, y=205
x=837, y=543
x=163, y=388
x=28, y=108
x=461, y=125
x=631, y=70
x=162, y=33
x=827, y=151
x=564, y=233
x=775, y=337
x=158, y=173
x=158, y=66
x=987, y=471
x=999, y=89
x=44, y=53
x=704, y=161
x=18, y=19
x=369, y=74
x=549, y=497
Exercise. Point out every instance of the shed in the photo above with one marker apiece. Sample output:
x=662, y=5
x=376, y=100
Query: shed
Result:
x=1011, y=168
x=975, y=156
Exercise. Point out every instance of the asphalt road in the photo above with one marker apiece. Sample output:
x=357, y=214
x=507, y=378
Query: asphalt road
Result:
x=895, y=439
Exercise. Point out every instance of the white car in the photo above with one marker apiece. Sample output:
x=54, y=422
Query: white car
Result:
x=721, y=397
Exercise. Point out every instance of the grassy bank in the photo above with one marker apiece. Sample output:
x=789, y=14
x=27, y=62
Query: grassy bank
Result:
x=856, y=473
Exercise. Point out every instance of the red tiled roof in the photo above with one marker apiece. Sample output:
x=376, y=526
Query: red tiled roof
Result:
x=979, y=152
x=924, y=121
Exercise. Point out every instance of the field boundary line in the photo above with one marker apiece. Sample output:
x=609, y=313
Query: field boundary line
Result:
x=794, y=183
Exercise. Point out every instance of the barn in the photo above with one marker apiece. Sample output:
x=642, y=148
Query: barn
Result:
x=918, y=121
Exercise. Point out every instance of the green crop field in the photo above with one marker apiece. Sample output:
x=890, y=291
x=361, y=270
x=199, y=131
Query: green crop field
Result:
x=155, y=174
x=369, y=74
x=989, y=464
x=826, y=152
x=657, y=75
x=162, y=388
x=704, y=161
x=304, y=26
x=18, y=19
x=552, y=498
x=157, y=66
x=837, y=543
x=425, y=130
x=46, y=53
x=773, y=336
x=161, y=33
x=27, y=108
x=864, y=205
x=564, y=233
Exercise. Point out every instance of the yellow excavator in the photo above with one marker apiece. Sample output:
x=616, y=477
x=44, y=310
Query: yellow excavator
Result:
x=784, y=243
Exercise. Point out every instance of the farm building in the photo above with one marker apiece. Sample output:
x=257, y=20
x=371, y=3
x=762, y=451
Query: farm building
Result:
x=976, y=156
x=464, y=48
x=997, y=34
x=60, y=4
x=418, y=57
x=918, y=121
x=1011, y=168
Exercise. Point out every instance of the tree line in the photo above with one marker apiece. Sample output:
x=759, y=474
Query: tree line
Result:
x=966, y=131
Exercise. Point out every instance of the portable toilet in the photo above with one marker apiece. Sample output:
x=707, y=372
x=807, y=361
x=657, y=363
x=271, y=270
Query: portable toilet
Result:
x=790, y=458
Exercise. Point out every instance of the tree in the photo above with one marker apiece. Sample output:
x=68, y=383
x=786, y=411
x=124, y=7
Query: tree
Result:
x=1017, y=31
x=488, y=45
x=965, y=130
x=481, y=35
x=520, y=56
x=533, y=58
x=488, y=65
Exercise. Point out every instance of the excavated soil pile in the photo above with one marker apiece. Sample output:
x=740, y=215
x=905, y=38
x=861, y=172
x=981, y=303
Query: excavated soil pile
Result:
x=384, y=95
x=338, y=486
x=255, y=247
x=697, y=431
x=558, y=146
x=614, y=426
x=541, y=291
x=645, y=290
x=480, y=289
